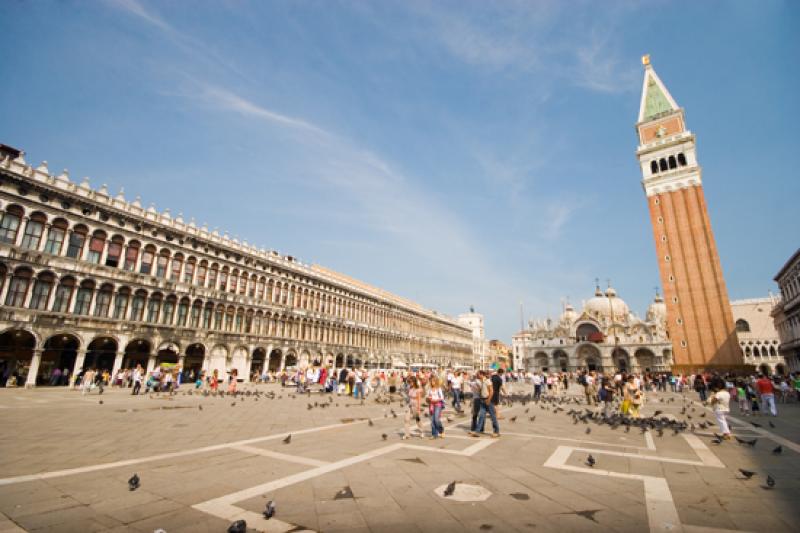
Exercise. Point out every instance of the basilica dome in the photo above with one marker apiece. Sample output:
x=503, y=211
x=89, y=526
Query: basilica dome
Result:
x=569, y=315
x=657, y=312
x=607, y=307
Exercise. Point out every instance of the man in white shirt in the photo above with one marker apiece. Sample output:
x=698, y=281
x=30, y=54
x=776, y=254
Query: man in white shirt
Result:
x=456, y=382
x=720, y=401
x=537, y=386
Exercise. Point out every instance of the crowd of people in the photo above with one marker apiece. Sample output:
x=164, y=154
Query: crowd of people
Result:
x=427, y=391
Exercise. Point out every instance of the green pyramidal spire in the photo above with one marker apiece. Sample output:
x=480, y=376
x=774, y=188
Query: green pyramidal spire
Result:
x=655, y=96
x=655, y=102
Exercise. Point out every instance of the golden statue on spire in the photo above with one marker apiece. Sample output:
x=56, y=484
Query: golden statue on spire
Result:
x=646, y=60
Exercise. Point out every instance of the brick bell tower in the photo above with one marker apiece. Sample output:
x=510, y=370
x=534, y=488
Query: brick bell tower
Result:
x=699, y=318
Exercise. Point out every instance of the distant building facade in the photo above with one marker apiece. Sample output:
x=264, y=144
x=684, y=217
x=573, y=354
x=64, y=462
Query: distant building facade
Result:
x=498, y=355
x=786, y=313
x=474, y=321
x=88, y=279
x=604, y=336
x=757, y=334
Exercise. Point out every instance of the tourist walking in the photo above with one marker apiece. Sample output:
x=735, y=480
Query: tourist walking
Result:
x=358, y=391
x=589, y=389
x=475, y=391
x=232, y=379
x=435, y=405
x=720, y=403
x=607, y=396
x=537, y=386
x=766, y=391
x=628, y=391
x=456, y=382
x=88, y=381
x=498, y=388
x=137, y=380
x=214, y=380
x=741, y=397
x=413, y=399
x=486, y=406
x=700, y=387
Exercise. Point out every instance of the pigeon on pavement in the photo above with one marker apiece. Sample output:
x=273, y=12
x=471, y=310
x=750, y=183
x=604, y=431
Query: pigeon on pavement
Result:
x=240, y=526
x=747, y=473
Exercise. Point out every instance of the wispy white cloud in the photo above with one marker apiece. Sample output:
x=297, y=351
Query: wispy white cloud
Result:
x=197, y=49
x=134, y=7
x=231, y=101
x=435, y=244
x=599, y=69
x=533, y=38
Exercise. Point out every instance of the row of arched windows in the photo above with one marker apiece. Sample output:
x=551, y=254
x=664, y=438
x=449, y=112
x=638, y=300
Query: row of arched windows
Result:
x=132, y=255
x=763, y=351
x=667, y=163
x=44, y=292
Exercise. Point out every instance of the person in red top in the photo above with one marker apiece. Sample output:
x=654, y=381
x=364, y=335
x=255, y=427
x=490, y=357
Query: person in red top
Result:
x=767, y=392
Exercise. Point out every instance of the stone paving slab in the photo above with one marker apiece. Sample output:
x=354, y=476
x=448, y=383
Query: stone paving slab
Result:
x=187, y=456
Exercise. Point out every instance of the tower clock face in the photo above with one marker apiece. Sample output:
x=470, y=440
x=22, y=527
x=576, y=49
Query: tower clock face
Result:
x=660, y=130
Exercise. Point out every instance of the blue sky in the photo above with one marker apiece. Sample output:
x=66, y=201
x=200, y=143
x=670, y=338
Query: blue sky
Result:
x=455, y=153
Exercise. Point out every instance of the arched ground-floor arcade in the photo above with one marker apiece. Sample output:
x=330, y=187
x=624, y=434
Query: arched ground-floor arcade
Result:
x=598, y=357
x=46, y=356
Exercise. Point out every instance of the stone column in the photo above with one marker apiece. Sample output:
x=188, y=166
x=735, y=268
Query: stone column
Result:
x=104, y=253
x=248, y=367
x=30, y=381
x=181, y=365
x=270, y=347
x=26, y=303
x=4, y=289
x=51, y=298
x=138, y=263
x=23, y=222
x=151, y=363
x=92, y=301
x=43, y=238
x=117, y=365
x=78, y=365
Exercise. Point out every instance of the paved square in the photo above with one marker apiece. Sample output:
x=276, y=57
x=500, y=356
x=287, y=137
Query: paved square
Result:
x=204, y=462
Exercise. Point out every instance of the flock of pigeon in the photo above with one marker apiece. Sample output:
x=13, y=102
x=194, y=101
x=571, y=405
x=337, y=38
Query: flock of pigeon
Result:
x=657, y=422
x=571, y=406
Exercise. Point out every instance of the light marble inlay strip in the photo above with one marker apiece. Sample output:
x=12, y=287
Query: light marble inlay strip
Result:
x=171, y=455
x=223, y=507
x=277, y=455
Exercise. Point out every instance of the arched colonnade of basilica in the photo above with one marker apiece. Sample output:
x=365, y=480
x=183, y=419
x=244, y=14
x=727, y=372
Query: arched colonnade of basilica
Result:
x=590, y=356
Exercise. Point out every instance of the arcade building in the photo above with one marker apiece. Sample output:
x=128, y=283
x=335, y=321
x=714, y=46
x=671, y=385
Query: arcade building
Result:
x=92, y=280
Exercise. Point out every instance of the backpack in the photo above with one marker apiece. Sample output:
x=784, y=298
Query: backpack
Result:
x=582, y=380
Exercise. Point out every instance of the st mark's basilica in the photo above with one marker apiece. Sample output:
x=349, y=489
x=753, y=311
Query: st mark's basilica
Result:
x=605, y=335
